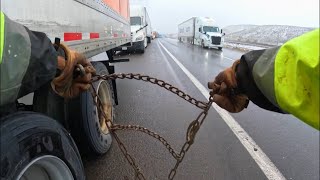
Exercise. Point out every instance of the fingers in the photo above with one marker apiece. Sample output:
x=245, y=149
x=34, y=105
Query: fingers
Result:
x=240, y=102
x=220, y=77
x=81, y=86
x=223, y=88
x=211, y=85
x=90, y=69
x=215, y=87
x=218, y=89
x=224, y=102
x=75, y=90
x=84, y=79
x=232, y=104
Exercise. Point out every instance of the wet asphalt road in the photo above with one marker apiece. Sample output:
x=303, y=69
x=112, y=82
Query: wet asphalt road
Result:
x=217, y=154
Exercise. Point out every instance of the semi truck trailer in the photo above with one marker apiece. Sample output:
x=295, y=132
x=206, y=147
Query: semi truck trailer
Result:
x=141, y=31
x=201, y=31
x=42, y=138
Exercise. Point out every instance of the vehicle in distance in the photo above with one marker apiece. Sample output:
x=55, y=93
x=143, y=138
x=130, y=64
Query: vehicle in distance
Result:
x=201, y=31
x=141, y=31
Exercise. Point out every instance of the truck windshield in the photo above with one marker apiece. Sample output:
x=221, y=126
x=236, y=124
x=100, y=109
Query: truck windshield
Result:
x=135, y=21
x=210, y=29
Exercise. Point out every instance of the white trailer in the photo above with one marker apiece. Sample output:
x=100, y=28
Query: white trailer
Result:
x=44, y=143
x=201, y=31
x=141, y=30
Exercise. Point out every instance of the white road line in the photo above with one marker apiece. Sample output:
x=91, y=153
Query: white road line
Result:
x=228, y=58
x=263, y=161
x=172, y=72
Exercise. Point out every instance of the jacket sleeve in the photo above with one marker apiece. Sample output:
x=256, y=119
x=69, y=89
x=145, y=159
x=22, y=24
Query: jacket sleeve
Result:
x=27, y=60
x=284, y=79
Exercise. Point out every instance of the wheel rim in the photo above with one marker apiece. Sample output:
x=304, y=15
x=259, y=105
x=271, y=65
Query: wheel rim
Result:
x=46, y=168
x=106, y=102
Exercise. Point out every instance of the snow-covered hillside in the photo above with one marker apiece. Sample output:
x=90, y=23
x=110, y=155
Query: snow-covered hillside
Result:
x=265, y=34
x=237, y=28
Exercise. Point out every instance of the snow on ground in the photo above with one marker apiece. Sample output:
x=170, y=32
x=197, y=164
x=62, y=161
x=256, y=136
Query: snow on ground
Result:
x=242, y=46
x=265, y=34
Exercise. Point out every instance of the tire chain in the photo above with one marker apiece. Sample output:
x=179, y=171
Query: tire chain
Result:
x=192, y=130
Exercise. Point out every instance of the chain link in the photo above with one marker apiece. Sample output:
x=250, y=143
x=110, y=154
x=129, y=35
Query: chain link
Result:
x=192, y=130
x=161, y=83
x=116, y=127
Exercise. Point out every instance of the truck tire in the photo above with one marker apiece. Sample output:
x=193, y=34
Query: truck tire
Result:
x=47, y=102
x=142, y=48
x=202, y=44
x=148, y=39
x=88, y=127
x=34, y=146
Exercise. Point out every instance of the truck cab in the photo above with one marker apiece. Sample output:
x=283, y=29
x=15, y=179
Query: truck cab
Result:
x=208, y=34
x=140, y=29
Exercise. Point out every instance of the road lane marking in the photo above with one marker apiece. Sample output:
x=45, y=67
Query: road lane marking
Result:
x=173, y=73
x=263, y=161
x=209, y=49
x=226, y=57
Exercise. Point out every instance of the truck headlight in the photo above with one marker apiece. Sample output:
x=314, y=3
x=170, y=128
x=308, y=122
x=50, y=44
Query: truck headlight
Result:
x=139, y=38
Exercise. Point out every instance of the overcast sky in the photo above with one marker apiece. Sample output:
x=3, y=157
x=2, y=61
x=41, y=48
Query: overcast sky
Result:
x=167, y=14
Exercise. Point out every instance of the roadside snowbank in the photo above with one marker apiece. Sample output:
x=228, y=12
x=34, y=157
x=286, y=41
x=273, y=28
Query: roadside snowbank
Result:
x=242, y=47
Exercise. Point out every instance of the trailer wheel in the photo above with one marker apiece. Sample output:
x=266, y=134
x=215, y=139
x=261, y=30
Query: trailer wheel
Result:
x=88, y=127
x=34, y=146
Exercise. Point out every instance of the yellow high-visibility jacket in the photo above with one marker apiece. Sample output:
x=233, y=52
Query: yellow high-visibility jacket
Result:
x=284, y=79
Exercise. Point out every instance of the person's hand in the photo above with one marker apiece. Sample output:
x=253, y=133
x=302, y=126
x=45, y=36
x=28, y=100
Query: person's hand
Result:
x=66, y=85
x=223, y=91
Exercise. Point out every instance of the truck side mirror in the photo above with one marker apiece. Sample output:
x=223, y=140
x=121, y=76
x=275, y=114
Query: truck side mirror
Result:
x=223, y=34
x=200, y=29
x=221, y=31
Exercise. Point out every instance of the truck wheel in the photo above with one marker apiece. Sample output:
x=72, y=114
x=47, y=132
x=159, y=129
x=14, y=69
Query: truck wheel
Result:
x=142, y=48
x=47, y=102
x=202, y=44
x=149, y=39
x=88, y=127
x=34, y=146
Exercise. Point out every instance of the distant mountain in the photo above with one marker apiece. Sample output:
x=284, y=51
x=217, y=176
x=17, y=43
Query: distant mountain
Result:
x=264, y=34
